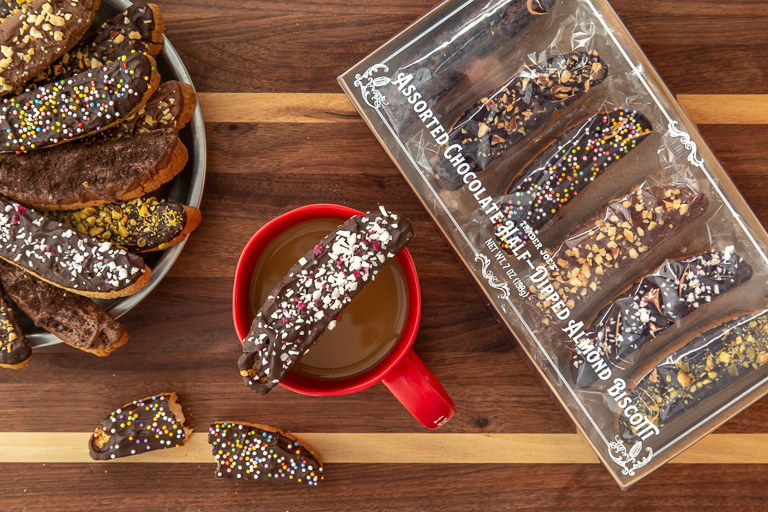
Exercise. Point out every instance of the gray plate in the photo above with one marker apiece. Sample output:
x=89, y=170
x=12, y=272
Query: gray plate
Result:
x=186, y=187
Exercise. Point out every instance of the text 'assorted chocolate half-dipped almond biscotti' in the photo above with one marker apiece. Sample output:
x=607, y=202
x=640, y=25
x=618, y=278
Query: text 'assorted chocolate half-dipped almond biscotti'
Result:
x=139, y=28
x=709, y=363
x=258, y=452
x=15, y=351
x=316, y=291
x=622, y=231
x=60, y=255
x=139, y=225
x=76, y=320
x=37, y=34
x=75, y=107
x=566, y=168
x=659, y=301
x=527, y=101
x=152, y=423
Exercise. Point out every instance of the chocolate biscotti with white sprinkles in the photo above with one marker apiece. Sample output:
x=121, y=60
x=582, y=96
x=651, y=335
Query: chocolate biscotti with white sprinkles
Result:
x=152, y=423
x=257, y=452
x=316, y=291
x=62, y=256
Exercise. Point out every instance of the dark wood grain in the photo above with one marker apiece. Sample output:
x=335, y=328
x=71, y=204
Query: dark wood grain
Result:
x=182, y=337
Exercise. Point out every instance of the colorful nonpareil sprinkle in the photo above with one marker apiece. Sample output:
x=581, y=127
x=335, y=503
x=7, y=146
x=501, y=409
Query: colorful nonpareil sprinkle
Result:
x=253, y=452
x=144, y=425
x=567, y=167
x=71, y=108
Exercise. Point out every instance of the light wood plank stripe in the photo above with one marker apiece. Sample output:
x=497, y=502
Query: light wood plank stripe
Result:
x=335, y=107
x=71, y=447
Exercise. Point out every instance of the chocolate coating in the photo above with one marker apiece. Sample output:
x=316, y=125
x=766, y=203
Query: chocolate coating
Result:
x=315, y=292
x=523, y=104
x=14, y=349
x=659, y=301
x=152, y=423
x=75, y=319
x=61, y=255
x=251, y=452
x=75, y=107
x=568, y=166
x=711, y=362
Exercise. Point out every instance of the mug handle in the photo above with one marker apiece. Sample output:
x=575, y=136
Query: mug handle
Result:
x=419, y=391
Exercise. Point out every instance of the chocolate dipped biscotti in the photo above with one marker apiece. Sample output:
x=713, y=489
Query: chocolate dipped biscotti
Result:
x=566, y=168
x=659, y=301
x=316, y=291
x=37, y=34
x=15, y=352
x=139, y=225
x=63, y=257
x=76, y=320
x=523, y=104
x=152, y=423
x=709, y=363
x=624, y=230
x=253, y=452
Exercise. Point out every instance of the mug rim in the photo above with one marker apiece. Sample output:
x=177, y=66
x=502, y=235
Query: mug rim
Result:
x=241, y=301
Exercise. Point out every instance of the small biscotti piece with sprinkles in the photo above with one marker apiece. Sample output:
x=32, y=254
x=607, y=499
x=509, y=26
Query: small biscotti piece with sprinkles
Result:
x=76, y=320
x=14, y=350
x=258, y=452
x=139, y=225
x=37, y=34
x=139, y=28
x=152, y=423
x=520, y=106
x=567, y=167
x=75, y=107
x=316, y=291
x=171, y=106
x=61, y=256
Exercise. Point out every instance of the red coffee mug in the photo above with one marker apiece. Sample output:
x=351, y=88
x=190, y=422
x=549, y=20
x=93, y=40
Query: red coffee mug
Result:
x=404, y=374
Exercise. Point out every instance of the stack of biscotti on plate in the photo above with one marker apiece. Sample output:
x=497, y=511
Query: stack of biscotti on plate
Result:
x=88, y=131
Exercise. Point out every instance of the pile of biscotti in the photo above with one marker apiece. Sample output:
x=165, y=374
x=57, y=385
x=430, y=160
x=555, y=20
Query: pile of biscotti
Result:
x=88, y=131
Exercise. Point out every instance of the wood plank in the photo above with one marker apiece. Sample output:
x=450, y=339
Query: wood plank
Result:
x=402, y=448
x=335, y=107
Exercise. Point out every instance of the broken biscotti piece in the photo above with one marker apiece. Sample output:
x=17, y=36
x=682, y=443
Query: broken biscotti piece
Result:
x=709, y=363
x=252, y=452
x=520, y=106
x=566, y=168
x=316, y=291
x=152, y=423
x=140, y=225
x=37, y=34
x=76, y=320
x=63, y=257
x=15, y=352
x=659, y=301
x=78, y=106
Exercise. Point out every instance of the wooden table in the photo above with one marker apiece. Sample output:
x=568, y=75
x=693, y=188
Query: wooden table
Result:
x=281, y=135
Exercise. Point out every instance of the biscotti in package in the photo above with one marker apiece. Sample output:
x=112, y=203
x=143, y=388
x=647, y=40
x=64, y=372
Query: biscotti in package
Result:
x=596, y=221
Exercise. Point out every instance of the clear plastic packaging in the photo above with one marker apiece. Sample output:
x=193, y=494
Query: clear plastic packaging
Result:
x=599, y=225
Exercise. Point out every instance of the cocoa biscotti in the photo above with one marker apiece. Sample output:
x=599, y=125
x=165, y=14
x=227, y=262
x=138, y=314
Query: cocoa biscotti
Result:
x=622, y=231
x=257, y=452
x=74, y=319
x=520, y=106
x=15, y=352
x=659, y=301
x=708, y=364
x=63, y=257
x=566, y=168
x=152, y=423
x=316, y=291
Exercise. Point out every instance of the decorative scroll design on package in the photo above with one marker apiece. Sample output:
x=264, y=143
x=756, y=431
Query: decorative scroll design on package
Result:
x=492, y=280
x=628, y=459
x=369, y=85
x=685, y=139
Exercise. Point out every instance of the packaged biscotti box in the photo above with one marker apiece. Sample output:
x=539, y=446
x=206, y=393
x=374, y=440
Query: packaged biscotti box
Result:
x=587, y=207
